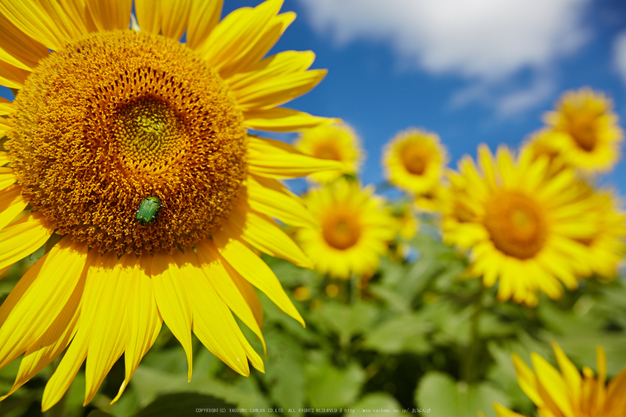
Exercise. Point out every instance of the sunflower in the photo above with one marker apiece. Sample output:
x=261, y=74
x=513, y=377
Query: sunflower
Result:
x=520, y=225
x=607, y=245
x=414, y=160
x=432, y=200
x=568, y=393
x=130, y=150
x=584, y=131
x=337, y=142
x=356, y=229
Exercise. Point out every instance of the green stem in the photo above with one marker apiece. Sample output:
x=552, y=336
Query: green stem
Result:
x=468, y=373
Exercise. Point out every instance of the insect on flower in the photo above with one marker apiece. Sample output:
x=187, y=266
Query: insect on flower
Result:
x=148, y=210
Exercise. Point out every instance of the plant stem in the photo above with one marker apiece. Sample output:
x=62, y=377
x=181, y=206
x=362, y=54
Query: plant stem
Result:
x=468, y=370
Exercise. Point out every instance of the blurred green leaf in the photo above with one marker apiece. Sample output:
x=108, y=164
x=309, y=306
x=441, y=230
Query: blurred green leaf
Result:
x=378, y=404
x=99, y=413
x=445, y=397
x=284, y=374
x=187, y=405
x=330, y=387
x=347, y=320
x=406, y=333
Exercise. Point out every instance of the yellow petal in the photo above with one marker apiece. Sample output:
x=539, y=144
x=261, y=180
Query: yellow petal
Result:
x=22, y=238
x=278, y=90
x=283, y=63
x=569, y=371
x=259, y=46
x=505, y=412
x=148, y=14
x=110, y=15
x=264, y=234
x=220, y=275
x=486, y=163
x=54, y=341
x=526, y=380
x=18, y=49
x=144, y=323
x=6, y=108
x=12, y=77
x=281, y=119
x=107, y=292
x=231, y=39
x=270, y=197
x=275, y=159
x=50, y=22
x=66, y=371
x=213, y=322
x=7, y=177
x=204, y=16
x=38, y=298
x=255, y=271
x=553, y=384
x=33, y=20
x=174, y=17
x=11, y=204
x=171, y=299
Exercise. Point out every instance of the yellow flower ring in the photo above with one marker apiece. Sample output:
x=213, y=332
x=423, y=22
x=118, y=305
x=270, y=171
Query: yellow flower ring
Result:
x=522, y=226
x=568, y=393
x=113, y=117
x=356, y=229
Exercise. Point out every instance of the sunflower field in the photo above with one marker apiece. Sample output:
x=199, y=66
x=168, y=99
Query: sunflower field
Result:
x=154, y=262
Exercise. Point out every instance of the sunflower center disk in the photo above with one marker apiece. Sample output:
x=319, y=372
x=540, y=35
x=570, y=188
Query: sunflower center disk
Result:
x=414, y=159
x=147, y=131
x=115, y=118
x=341, y=230
x=584, y=132
x=516, y=224
x=327, y=151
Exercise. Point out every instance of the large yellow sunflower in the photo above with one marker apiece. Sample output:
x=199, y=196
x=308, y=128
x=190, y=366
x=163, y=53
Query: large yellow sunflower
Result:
x=568, y=394
x=584, y=131
x=414, y=160
x=521, y=226
x=132, y=147
x=356, y=229
x=337, y=142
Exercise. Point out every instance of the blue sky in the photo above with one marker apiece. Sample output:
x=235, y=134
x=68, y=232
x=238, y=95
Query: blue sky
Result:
x=471, y=71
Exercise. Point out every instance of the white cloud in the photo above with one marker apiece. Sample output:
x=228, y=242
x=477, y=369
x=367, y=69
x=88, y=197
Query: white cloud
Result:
x=619, y=54
x=483, y=40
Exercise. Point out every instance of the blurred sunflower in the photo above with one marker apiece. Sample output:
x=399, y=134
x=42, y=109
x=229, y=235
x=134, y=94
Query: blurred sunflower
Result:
x=520, y=225
x=356, y=229
x=584, y=131
x=540, y=145
x=568, y=393
x=337, y=142
x=432, y=200
x=113, y=116
x=414, y=160
x=607, y=245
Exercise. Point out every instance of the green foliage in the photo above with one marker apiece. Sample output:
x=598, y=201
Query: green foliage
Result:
x=417, y=336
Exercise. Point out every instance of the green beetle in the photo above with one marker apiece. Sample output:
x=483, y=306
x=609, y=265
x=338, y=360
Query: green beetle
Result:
x=148, y=210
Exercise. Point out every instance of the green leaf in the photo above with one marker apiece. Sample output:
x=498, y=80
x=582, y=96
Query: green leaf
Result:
x=98, y=413
x=445, y=397
x=285, y=372
x=401, y=334
x=378, y=404
x=347, y=321
x=187, y=405
x=330, y=387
